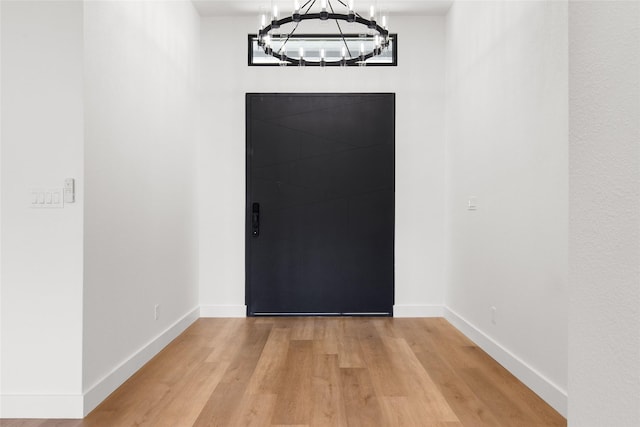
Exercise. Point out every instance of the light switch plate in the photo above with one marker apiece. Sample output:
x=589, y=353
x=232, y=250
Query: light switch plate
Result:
x=46, y=198
x=472, y=204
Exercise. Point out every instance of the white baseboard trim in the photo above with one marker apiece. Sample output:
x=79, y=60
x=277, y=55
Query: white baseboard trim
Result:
x=413, y=310
x=41, y=406
x=223, y=311
x=107, y=385
x=542, y=386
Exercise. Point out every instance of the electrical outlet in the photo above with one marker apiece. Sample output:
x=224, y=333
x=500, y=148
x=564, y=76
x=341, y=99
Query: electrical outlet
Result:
x=156, y=311
x=493, y=315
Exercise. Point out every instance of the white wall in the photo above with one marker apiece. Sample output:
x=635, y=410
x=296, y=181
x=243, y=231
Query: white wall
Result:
x=507, y=146
x=42, y=144
x=604, y=202
x=141, y=71
x=418, y=83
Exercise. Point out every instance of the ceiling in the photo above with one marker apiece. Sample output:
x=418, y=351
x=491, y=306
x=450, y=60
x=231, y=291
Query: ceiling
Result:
x=252, y=7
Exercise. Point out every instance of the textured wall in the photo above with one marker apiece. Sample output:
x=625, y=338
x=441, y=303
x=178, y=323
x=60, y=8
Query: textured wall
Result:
x=604, y=236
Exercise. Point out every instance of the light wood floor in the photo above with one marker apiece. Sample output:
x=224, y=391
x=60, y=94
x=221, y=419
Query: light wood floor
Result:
x=319, y=372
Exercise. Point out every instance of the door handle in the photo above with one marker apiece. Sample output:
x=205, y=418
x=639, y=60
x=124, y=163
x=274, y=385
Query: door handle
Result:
x=255, y=219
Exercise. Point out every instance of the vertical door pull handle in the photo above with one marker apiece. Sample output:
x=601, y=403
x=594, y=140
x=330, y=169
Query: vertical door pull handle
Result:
x=255, y=219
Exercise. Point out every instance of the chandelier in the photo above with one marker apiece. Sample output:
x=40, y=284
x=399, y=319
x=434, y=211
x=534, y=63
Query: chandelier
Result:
x=375, y=36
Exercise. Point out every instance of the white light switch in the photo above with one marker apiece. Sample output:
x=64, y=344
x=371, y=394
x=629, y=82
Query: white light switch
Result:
x=472, y=204
x=45, y=198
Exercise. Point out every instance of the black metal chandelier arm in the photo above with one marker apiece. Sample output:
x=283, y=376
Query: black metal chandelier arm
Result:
x=337, y=16
x=305, y=5
x=297, y=23
x=340, y=29
x=288, y=37
x=351, y=61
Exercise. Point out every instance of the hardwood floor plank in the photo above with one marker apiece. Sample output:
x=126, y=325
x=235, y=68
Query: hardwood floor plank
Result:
x=256, y=410
x=302, y=328
x=419, y=382
x=399, y=412
x=224, y=401
x=328, y=405
x=325, y=338
x=270, y=370
x=464, y=402
x=295, y=404
x=349, y=349
x=383, y=371
x=360, y=401
x=189, y=398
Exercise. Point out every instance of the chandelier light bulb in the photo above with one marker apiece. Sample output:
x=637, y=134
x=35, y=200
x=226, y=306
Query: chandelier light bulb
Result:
x=275, y=11
x=324, y=15
x=344, y=52
x=263, y=21
x=372, y=12
x=384, y=22
x=350, y=5
x=361, y=48
x=301, y=52
x=296, y=5
x=322, y=53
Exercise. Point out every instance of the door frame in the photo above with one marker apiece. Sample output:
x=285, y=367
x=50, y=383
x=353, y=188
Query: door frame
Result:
x=247, y=210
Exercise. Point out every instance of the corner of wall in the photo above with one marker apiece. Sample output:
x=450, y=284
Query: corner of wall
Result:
x=417, y=310
x=551, y=393
x=109, y=383
x=223, y=310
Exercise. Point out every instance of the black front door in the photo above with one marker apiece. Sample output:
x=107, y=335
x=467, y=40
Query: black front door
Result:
x=320, y=203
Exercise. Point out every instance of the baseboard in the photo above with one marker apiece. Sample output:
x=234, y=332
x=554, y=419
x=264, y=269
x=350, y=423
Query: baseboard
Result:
x=41, y=406
x=223, y=311
x=414, y=310
x=107, y=385
x=542, y=386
